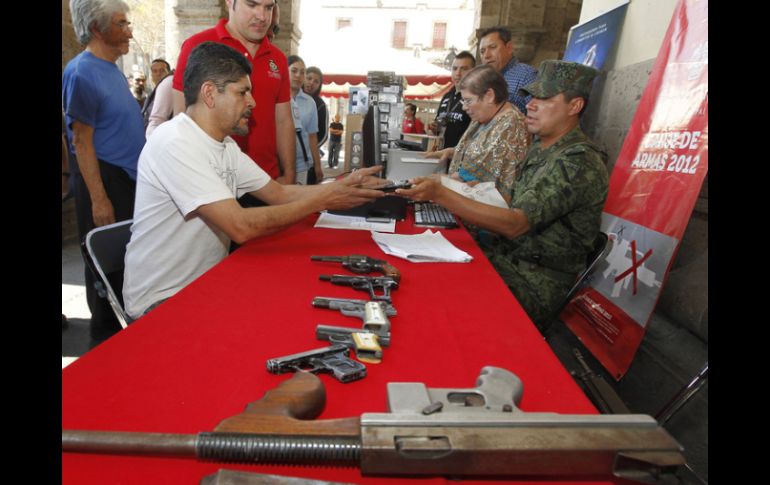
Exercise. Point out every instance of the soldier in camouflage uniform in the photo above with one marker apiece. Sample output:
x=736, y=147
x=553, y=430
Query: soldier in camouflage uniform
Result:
x=557, y=199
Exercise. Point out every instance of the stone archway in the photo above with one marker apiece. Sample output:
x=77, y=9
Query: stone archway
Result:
x=540, y=27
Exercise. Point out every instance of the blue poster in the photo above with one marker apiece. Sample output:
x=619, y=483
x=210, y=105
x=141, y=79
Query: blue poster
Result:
x=591, y=42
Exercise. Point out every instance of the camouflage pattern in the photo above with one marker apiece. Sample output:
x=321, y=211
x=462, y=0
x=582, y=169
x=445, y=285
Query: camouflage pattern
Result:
x=562, y=190
x=555, y=77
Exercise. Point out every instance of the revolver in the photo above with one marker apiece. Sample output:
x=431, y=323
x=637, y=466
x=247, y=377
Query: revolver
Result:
x=365, y=283
x=373, y=313
x=333, y=359
x=358, y=263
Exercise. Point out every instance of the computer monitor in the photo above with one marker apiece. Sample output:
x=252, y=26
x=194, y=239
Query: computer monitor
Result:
x=371, y=134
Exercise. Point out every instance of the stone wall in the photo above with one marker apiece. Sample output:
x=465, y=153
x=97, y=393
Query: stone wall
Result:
x=70, y=47
x=539, y=27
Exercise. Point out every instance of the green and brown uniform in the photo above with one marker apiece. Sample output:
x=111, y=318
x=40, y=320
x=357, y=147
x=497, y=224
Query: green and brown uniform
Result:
x=562, y=190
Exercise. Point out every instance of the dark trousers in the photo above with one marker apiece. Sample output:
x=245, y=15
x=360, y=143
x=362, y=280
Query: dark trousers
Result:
x=334, y=153
x=121, y=191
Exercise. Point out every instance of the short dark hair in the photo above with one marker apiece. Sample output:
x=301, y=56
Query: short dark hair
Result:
x=412, y=105
x=215, y=62
x=503, y=31
x=570, y=95
x=484, y=77
x=466, y=55
x=294, y=58
x=168, y=66
x=316, y=70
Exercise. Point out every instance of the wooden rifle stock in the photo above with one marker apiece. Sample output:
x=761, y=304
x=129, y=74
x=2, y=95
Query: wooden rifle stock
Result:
x=287, y=410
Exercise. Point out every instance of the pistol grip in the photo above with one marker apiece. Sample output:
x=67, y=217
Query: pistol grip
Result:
x=390, y=270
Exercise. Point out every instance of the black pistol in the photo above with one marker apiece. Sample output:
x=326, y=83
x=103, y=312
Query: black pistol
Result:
x=333, y=359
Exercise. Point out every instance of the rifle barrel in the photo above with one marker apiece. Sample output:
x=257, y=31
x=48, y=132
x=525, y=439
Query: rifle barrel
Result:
x=227, y=447
x=128, y=443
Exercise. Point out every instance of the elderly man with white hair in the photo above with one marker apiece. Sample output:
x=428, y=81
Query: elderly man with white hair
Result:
x=105, y=131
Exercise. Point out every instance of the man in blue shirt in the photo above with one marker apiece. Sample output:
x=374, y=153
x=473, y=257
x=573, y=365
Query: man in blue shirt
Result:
x=305, y=114
x=105, y=131
x=496, y=49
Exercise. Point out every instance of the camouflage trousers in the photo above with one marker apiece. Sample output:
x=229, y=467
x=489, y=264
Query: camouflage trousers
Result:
x=539, y=294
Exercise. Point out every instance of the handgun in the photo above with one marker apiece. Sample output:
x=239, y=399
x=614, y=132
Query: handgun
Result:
x=374, y=314
x=358, y=263
x=394, y=186
x=364, y=344
x=365, y=283
x=333, y=359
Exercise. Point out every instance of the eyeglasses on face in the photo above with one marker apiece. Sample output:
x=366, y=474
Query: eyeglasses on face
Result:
x=124, y=25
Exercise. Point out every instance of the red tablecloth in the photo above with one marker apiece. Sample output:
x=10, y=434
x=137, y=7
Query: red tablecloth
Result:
x=200, y=356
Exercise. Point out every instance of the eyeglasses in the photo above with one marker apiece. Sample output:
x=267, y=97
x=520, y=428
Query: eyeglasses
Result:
x=467, y=102
x=124, y=25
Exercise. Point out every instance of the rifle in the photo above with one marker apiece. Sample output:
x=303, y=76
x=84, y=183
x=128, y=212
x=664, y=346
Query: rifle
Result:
x=446, y=432
x=358, y=263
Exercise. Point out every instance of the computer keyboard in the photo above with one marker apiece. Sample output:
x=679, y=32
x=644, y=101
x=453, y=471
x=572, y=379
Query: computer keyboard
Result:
x=433, y=215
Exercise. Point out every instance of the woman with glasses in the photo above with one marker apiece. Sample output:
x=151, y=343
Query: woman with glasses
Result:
x=496, y=142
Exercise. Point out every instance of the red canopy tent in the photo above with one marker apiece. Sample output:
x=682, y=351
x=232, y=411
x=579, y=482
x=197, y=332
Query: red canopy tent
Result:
x=347, y=66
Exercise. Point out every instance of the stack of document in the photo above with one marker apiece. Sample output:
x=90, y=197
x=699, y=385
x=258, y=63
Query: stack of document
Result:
x=334, y=221
x=428, y=247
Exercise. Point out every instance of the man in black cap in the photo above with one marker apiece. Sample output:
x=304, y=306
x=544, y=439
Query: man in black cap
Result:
x=556, y=202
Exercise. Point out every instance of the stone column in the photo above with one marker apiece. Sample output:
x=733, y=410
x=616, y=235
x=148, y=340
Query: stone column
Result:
x=187, y=17
x=539, y=27
x=288, y=38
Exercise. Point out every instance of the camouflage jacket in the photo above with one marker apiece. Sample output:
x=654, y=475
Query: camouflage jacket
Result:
x=562, y=190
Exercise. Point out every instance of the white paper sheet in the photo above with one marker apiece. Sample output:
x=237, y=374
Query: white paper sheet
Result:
x=484, y=192
x=428, y=247
x=334, y=221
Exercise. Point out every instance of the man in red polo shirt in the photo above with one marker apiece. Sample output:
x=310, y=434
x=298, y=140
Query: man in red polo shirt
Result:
x=271, y=128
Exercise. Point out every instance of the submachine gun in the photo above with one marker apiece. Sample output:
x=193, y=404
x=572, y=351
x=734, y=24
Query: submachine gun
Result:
x=446, y=432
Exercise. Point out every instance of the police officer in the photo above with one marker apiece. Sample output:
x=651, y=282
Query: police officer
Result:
x=556, y=202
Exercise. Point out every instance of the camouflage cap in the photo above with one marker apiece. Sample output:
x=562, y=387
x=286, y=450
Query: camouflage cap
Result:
x=555, y=77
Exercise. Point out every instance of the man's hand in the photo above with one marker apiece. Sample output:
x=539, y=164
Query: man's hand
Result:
x=352, y=190
x=365, y=178
x=102, y=212
x=423, y=189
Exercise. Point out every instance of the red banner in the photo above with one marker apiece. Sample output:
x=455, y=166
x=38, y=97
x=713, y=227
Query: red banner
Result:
x=653, y=189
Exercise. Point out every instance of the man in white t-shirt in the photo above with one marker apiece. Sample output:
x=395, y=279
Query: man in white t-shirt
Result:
x=190, y=174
